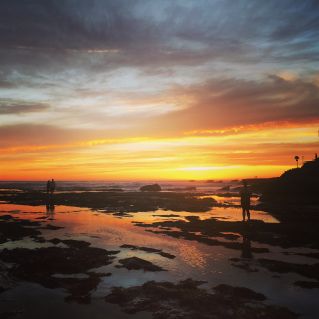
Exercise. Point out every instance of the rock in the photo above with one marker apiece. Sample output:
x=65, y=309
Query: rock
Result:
x=307, y=284
x=72, y=243
x=6, y=217
x=40, y=265
x=185, y=300
x=295, y=186
x=151, y=188
x=15, y=229
x=5, y=281
x=135, y=263
x=306, y=270
x=238, y=293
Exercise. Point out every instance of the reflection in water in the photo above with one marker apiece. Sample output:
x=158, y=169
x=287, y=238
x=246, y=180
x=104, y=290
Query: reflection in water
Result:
x=246, y=245
x=50, y=210
x=193, y=259
x=192, y=256
x=233, y=211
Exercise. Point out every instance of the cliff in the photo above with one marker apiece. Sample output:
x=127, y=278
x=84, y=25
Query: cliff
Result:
x=295, y=186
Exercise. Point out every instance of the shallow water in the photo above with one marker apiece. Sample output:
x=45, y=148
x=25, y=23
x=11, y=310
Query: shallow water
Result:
x=67, y=186
x=193, y=260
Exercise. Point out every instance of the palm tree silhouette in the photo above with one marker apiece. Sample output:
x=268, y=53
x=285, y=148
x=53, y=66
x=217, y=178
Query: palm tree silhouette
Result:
x=297, y=160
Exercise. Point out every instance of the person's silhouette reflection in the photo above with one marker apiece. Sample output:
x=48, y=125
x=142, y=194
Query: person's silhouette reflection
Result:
x=50, y=210
x=246, y=245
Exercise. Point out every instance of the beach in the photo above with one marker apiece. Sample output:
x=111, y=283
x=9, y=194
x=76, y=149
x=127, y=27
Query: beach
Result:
x=103, y=252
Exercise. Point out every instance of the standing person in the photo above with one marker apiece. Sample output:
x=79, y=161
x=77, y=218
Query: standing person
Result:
x=52, y=186
x=245, y=201
x=48, y=186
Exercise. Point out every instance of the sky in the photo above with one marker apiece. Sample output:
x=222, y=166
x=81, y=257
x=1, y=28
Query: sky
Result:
x=155, y=90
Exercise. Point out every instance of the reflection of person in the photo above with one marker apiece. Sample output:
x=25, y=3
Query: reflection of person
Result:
x=246, y=247
x=50, y=210
x=245, y=200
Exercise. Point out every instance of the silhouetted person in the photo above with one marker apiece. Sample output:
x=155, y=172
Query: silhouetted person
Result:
x=48, y=186
x=245, y=201
x=52, y=186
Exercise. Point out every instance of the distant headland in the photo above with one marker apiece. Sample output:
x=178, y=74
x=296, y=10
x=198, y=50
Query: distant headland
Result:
x=295, y=186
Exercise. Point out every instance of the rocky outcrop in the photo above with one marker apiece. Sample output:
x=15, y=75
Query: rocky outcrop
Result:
x=151, y=188
x=295, y=186
x=186, y=300
x=135, y=263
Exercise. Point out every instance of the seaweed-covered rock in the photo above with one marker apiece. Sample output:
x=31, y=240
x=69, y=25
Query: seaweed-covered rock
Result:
x=16, y=229
x=42, y=264
x=185, y=300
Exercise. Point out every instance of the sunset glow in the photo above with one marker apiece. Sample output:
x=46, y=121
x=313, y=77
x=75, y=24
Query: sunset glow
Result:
x=157, y=90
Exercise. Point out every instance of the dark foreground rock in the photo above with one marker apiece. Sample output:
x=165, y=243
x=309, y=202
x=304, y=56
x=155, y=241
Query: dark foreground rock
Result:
x=185, y=300
x=5, y=281
x=42, y=264
x=238, y=293
x=135, y=263
x=16, y=229
x=10, y=314
x=295, y=186
x=307, y=284
x=286, y=235
x=306, y=270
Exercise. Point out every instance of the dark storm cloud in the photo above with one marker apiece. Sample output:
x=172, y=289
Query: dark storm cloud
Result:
x=20, y=107
x=159, y=32
x=67, y=25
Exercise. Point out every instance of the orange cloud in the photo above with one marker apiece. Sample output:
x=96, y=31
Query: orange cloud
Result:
x=248, y=153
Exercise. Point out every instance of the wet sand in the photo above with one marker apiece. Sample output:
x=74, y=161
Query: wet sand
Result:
x=146, y=252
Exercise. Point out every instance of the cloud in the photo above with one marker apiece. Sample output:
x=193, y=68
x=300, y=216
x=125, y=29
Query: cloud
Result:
x=226, y=103
x=208, y=60
x=21, y=107
x=153, y=34
x=6, y=85
x=24, y=135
